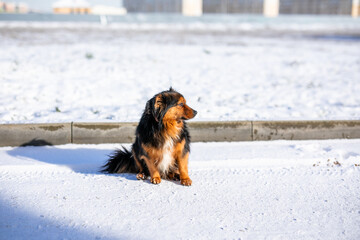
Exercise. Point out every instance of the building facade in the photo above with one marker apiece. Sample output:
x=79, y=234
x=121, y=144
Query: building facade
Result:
x=10, y=7
x=71, y=7
x=339, y=7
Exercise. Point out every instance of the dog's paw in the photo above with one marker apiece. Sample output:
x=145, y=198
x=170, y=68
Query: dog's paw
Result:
x=155, y=180
x=141, y=176
x=186, y=182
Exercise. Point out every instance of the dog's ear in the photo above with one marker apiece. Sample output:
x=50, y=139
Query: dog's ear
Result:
x=149, y=107
x=154, y=107
x=171, y=89
x=158, y=107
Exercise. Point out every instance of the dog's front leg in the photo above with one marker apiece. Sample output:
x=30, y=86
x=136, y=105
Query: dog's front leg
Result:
x=182, y=162
x=154, y=173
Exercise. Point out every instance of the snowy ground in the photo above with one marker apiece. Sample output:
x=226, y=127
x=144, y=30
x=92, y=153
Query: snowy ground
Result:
x=272, y=69
x=248, y=190
x=276, y=69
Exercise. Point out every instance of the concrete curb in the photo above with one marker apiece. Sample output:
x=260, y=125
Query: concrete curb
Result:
x=35, y=134
x=96, y=133
x=305, y=130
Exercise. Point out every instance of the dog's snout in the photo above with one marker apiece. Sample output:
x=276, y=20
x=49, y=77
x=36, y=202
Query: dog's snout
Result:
x=195, y=112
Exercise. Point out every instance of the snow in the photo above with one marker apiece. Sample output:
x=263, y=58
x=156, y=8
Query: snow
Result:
x=234, y=69
x=241, y=190
x=252, y=70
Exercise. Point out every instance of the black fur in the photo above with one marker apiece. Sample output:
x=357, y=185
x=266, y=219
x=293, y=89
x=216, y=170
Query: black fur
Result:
x=149, y=132
x=120, y=161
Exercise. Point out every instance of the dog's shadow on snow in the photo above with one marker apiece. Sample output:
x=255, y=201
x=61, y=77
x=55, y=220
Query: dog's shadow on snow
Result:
x=80, y=160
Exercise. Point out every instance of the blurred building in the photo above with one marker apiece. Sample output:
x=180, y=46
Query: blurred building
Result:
x=355, y=12
x=338, y=7
x=10, y=7
x=237, y=6
x=83, y=7
x=332, y=7
x=149, y=6
x=71, y=7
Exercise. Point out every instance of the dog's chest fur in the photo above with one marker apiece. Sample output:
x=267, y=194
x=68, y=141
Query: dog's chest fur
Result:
x=167, y=160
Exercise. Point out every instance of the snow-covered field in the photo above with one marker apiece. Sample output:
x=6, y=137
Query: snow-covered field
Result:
x=249, y=190
x=272, y=69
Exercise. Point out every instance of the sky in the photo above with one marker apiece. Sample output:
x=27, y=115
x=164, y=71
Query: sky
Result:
x=46, y=5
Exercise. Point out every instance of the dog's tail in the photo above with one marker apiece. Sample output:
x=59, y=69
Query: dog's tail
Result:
x=121, y=161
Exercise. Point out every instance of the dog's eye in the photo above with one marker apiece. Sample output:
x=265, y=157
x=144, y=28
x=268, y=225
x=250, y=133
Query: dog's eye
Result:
x=181, y=104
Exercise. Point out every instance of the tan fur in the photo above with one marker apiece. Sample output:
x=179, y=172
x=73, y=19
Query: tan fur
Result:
x=168, y=161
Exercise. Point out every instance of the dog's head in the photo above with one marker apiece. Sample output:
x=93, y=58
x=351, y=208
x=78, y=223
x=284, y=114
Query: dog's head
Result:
x=169, y=105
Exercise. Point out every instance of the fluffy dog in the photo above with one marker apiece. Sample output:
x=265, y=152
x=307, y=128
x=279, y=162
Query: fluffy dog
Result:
x=162, y=145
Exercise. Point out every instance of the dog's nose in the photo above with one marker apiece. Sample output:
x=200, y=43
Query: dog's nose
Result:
x=195, y=112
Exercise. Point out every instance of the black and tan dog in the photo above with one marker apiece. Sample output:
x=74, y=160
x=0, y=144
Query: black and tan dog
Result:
x=162, y=145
